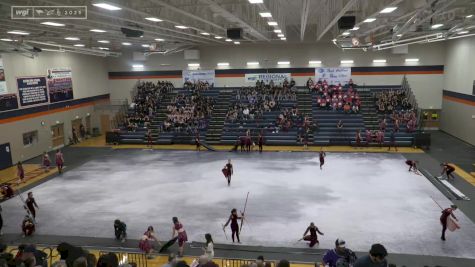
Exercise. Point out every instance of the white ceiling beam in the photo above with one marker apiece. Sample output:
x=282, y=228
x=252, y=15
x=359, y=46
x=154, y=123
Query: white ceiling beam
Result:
x=304, y=17
x=342, y=12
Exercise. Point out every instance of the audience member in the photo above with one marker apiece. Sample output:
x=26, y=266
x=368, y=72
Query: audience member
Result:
x=339, y=253
x=376, y=258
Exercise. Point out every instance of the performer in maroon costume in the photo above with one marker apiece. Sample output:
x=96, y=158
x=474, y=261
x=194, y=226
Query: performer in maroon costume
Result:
x=448, y=170
x=27, y=226
x=149, y=138
x=443, y=219
x=260, y=141
x=233, y=218
x=313, y=237
x=322, y=156
x=31, y=204
x=59, y=160
x=46, y=161
x=197, y=141
x=228, y=171
x=146, y=242
x=412, y=165
x=180, y=233
x=7, y=191
x=358, y=138
x=20, y=171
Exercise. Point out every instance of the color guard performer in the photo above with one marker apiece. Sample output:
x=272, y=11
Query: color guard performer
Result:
x=228, y=171
x=20, y=172
x=448, y=170
x=313, y=237
x=31, y=204
x=179, y=233
x=322, y=156
x=197, y=141
x=445, y=216
x=358, y=138
x=46, y=161
x=59, y=161
x=233, y=218
x=260, y=142
x=412, y=165
x=149, y=138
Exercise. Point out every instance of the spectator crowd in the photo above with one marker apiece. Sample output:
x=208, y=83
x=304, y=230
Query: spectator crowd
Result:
x=335, y=97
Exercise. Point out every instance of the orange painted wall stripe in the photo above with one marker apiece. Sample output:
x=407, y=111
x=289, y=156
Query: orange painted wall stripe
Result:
x=399, y=72
x=144, y=77
x=230, y=75
x=303, y=74
x=48, y=112
x=459, y=100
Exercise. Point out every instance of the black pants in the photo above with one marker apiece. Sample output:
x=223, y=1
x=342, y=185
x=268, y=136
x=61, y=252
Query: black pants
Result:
x=260, y=147
x=235, y=231
x=444, y=228
x=1, y=222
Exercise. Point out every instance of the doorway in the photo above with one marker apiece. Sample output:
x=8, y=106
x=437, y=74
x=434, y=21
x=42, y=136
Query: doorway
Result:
x=5, y=156
x=105, y=124
x=57, y=135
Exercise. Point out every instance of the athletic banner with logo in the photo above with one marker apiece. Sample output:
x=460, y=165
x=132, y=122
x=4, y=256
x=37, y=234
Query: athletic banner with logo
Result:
x=3, y=83
x=32, y=90
x=333, y=75
x=60, y=84
x=198, y=75
x=267, y=77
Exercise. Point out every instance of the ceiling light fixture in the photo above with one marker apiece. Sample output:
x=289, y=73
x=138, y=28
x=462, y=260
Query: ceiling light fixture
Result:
x=265, y=14
x=469, y=16
x=436, y=26
x=283, y=39
x=345, y=33
x=252, y=63
x=19, y=32
x=277, y=31
x=137, y=66
x=79, y=45
x=399, y=35
x=283, y=62
x=218, y=37
x=145, y=45
x=369, y=20
x=315, y=62
x=181, y=27
x=229, y=40
x=55, y=24
x=154, y=19
x=103, y=41
x=159, y=39
x=379, y=61
x=72, y=38
x=355, y=28
x=347, y=61
x=193, y=64
x=236, y=43
x=462, y=32
x=412, y=60
x=272, y=23
x=6, y=40
x=280, y=35
x=256, y=1
x=223, y=64
x=126, y=43
x=388, y=10
x=107, y=6
x=204, y=33
x=97, y=30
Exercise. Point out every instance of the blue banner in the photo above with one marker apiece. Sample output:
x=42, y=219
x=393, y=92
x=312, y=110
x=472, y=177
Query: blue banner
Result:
x=32, y=90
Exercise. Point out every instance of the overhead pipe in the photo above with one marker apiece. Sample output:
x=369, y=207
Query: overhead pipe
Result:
x=74, y=49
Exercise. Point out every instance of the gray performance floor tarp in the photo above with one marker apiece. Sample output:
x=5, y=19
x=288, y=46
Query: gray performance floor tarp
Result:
x=361, y=198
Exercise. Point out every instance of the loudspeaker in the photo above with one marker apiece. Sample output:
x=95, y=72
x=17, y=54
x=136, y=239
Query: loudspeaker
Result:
x=234, y=33
x=422, y=139
x=346, y=22
x=131, y=33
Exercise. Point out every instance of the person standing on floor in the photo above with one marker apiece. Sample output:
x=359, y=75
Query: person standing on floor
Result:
x=46, y=161
x=149, y=138
x=358, y=138
x=59, y=161
x=392, y=140
x=31, y=204
x=321, y=157
x=20, y=172
x=233, y=218
x=445, y=216
x=260, y=142
x=376, y=257
x=209, y=248
x=313, y=237
x=228, y=171
x=180, y=233
x=197, y=141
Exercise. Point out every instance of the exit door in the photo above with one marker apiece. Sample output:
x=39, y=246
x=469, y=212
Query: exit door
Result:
x=5, y=156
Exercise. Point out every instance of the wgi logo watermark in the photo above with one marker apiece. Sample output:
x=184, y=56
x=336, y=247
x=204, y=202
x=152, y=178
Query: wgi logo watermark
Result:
x=49, y=12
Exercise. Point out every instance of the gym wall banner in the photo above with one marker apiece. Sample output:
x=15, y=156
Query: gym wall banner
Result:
x=333, y=75
x=199, y=75
x=3, y=83
x=60, y=84
x=32, y=90
x=267, y=77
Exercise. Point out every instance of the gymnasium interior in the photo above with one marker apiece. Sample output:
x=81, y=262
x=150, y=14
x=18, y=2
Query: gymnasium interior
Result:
x=341, y=132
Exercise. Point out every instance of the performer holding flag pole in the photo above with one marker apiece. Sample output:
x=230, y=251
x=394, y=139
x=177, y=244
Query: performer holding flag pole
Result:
x=446, y=220
x=243, y=212
x=233, y=218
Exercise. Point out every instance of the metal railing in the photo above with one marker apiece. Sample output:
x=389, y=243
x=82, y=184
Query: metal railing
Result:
x=115, y=107
x=140, y=259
